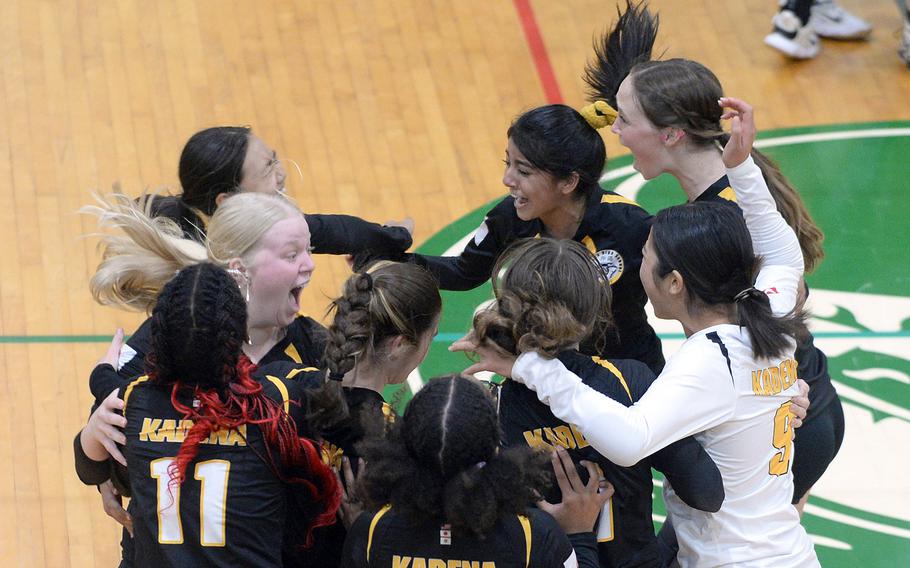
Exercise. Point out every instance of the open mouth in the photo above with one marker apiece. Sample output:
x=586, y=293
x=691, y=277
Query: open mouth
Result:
x=295, y=296
x=520, y=201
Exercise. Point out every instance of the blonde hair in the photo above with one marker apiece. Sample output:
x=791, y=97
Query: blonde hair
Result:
x=137, y=263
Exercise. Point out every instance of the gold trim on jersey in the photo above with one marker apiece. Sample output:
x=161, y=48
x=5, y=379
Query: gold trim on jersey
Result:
x=291, y=352
x=589, y=244
x=616, y=198
x=526, y=527
x=129, y=390
x=373, y=524
x=285, y=397
x=294, y=372
x=612, y=368
x=728, y=194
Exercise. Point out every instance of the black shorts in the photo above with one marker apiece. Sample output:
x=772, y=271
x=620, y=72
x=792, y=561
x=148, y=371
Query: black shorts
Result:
x=817, y=442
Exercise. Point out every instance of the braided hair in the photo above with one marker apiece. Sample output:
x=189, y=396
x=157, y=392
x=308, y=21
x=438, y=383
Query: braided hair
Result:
x=197, y=330
x=550, y=295
x=710, y=246
x=388, y=299
x=442, y=461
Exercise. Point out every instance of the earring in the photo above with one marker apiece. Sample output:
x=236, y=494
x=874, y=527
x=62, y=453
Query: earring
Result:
x=243, y=282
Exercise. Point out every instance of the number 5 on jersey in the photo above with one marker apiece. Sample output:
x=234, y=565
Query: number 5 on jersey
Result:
x=782, y=441
x=213, y=475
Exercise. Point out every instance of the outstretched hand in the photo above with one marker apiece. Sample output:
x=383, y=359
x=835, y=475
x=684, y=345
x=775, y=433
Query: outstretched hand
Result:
x=491, y=357
x=581, y=502
x=742, y=130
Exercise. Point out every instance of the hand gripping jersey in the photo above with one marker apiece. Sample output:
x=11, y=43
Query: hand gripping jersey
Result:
x=735, y=404
x=625, y=530
x=614, y=229
x=388, y=540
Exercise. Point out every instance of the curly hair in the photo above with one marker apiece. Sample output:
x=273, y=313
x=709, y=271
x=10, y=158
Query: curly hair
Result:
x=550, y=295
x=442, y=461
x=197, y=330
x=388, y=299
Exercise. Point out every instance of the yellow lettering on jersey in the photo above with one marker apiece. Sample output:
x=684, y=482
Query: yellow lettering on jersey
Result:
x=580, y=439
x=489, y=565
x=419, y=563
x=774, y=380
x=149, y=432
x=401, y=561
x=168, y=431
x=564, y=437
x=436, y=563
x=534, y=438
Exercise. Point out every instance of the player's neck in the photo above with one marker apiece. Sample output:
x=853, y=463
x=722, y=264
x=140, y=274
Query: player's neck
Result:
x=697, y=170
x=262, y=339
x=366, y=376
x=694, y=321
x=563, y=222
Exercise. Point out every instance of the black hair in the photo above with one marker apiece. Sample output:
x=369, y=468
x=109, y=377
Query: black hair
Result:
x=557, y=139
x=211, y=164
x=710, y=246
x=441, y=462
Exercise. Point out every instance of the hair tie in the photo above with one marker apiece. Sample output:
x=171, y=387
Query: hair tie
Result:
x=369, y=280
x=335, y=376
x=599, y=114
x=748, y=292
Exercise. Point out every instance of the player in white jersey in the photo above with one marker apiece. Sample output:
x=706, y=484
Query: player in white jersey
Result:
x=730, y=383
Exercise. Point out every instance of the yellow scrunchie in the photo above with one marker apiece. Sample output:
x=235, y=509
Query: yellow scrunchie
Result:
x=599, y=114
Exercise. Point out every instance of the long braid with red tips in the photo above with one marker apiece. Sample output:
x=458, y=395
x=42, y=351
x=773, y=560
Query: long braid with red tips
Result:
x=198, y=326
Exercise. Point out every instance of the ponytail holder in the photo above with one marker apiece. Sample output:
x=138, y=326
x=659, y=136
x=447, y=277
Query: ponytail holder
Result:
x=335, y=376
x=748, y=292
x=369, y=280
x=599, y=114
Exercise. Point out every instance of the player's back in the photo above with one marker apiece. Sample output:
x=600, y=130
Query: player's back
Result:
x=625, y=531
x=230, y=509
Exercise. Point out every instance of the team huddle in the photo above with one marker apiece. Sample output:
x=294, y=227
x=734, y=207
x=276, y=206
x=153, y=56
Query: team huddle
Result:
x=246, y=434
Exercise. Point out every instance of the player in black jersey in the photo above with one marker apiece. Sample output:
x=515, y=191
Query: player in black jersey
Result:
x=554, y=160
x=670, y=120
x=216, y=467
x=549, y=296
x=443, y=493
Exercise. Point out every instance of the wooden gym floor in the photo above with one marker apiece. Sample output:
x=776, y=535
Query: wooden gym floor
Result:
x=391, y=107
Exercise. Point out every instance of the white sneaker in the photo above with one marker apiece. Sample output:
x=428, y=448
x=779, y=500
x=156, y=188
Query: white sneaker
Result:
x=832, y=21
x=904, y=50
x=792, y=38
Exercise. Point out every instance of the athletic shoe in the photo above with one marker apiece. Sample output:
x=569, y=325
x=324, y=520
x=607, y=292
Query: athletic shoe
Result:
x=831, y=21
x=904, y=50
x=791, y=37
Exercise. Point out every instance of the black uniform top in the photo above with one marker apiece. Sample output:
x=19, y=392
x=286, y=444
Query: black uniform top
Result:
x=626, y=534
x=230, y=509
x=303, y=343
x=812, y=363
x=613, y=228
x=366, y=407
x=386, y=539
x=329, y=234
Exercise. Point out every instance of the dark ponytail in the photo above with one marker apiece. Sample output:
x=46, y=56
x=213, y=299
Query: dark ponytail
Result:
x=710, y=246
x=441, y=461
x=619, y=50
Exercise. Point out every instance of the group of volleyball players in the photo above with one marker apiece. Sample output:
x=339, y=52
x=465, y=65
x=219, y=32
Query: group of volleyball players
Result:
x=246, y=434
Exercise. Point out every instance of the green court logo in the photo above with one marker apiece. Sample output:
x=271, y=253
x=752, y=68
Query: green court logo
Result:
x=854, y=181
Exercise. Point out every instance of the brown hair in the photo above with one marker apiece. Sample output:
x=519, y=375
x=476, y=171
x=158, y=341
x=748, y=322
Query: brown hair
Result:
x=550, y=295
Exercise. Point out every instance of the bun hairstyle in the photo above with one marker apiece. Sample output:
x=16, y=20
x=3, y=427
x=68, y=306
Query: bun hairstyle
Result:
x=211, y=163
x=683, y=94
x=710, y=246
x=442, y=461
x=550, y=295
x=197, y=330
x=389, y=299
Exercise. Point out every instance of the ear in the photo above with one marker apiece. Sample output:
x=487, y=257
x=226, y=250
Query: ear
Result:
x=219, y=199
x=237, y=270
x=671, y=135
x=676, y=286
x=567, y=185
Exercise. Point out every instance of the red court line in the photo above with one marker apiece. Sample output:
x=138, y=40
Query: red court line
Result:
x=538, y=51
